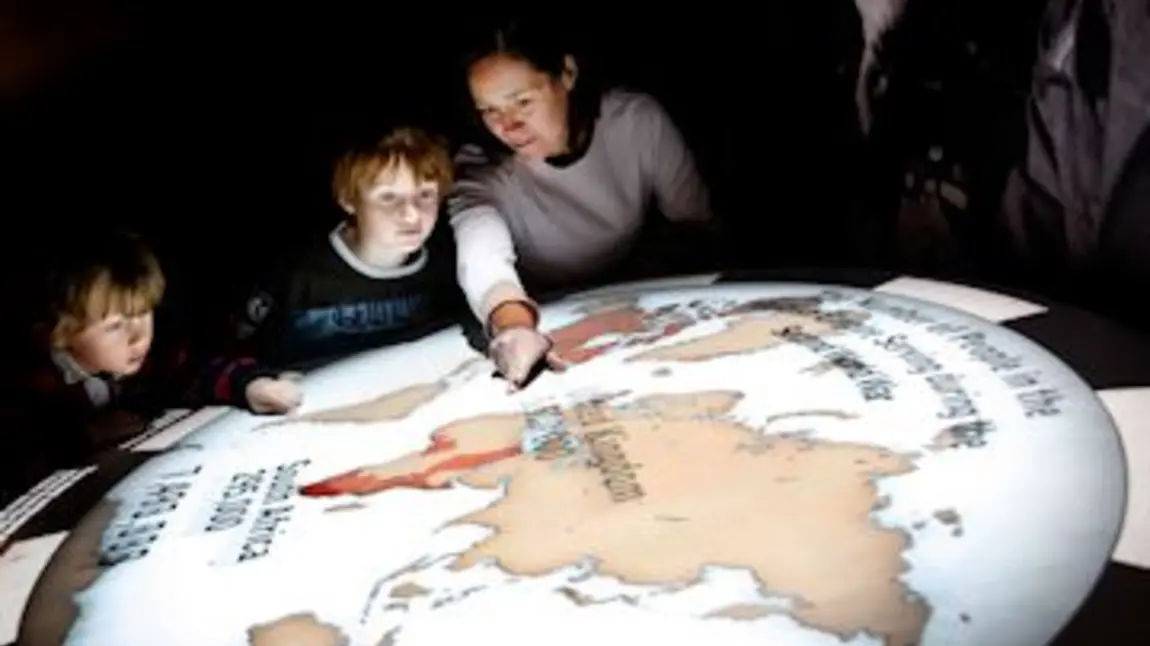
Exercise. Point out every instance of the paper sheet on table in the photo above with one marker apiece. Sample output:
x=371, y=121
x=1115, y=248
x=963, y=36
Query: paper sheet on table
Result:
x=988, y=305
x=168, y=436
x=1130, y=408
x=699, y=280
x=20, y=567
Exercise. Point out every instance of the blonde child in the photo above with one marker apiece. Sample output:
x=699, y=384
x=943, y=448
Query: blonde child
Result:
x=92, y=363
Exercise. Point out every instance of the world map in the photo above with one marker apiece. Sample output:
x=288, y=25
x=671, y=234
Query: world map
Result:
x=799, y=463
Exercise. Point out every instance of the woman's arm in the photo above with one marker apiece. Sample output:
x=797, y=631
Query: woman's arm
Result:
x=679, y=190
x=485, y=261
x=680, y=193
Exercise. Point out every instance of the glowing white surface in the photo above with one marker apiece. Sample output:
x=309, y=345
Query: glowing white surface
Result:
x=1040, y=504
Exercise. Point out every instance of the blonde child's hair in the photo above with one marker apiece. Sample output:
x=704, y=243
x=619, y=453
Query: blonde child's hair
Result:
x=115, y=274
x=427, y=155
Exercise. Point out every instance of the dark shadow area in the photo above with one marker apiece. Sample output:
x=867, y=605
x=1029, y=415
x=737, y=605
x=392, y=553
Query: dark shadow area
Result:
x=949, y=126
x=1113, y=614
x=213, y=134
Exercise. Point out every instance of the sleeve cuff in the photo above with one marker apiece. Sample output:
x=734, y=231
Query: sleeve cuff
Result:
x=231, y=387
x=504, y=292
x=532, y=311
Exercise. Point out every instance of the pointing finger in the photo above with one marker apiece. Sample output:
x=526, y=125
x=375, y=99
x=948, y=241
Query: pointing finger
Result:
x=556, y=362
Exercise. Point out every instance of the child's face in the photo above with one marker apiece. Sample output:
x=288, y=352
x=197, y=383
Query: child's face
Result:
x=117, y=344
x=396, y=211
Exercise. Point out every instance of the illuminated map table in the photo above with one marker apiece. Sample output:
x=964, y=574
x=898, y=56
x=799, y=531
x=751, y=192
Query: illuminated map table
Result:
x=748, y=464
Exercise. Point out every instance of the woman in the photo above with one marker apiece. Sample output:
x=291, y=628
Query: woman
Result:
x=561, y=191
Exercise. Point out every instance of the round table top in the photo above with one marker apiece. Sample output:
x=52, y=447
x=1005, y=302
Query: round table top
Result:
x=893, y=463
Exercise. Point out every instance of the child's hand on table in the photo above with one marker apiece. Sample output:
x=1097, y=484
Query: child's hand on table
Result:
x=274, y=396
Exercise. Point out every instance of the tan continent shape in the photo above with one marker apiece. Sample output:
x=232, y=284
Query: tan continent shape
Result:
x=667, y=486
x=391, y=406
x=741, y=336
x=797, y=515
x=742, y=612
x=301, y=629
x=409, y=590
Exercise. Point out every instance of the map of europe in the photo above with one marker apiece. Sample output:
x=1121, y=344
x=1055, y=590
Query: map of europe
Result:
x=799, y=463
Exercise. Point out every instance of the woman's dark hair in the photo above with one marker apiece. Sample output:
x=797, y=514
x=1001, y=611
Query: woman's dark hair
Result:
x=544, y=45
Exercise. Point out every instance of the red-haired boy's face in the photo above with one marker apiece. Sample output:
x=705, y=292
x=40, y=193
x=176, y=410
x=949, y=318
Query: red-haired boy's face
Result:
x=396, y=211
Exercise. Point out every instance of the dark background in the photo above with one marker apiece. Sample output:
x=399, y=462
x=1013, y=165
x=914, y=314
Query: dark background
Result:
x=211, y=130
x=210, y=127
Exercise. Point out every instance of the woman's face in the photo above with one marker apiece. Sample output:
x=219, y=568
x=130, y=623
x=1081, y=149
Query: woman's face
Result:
x=522, y=106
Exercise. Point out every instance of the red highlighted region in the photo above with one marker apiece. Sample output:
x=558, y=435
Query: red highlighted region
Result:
x=366, y=481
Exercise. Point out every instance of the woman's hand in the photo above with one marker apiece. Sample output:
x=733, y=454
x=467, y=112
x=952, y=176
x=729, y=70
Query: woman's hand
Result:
x=518, y=350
